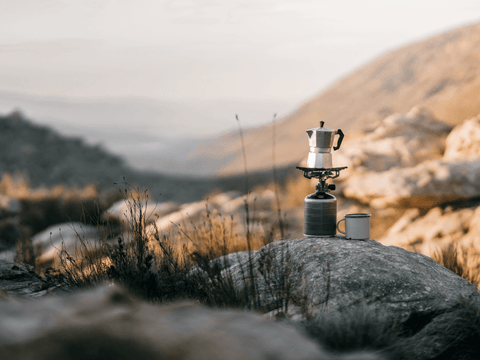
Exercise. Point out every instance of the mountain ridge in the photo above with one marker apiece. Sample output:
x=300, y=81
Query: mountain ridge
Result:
x=439, y=73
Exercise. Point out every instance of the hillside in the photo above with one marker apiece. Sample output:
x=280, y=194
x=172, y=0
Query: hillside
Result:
x=440, y=73
x=48, y=158
x=149, y=134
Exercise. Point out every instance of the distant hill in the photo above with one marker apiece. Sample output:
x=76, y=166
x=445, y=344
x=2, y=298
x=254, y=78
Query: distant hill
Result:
x=48, y=158
x=150, y=134
x=441, y=73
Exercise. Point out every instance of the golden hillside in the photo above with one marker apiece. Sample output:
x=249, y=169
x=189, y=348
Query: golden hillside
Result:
x=441, y=73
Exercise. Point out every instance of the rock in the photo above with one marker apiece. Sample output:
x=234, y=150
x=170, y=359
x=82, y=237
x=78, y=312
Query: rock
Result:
x=229, y=203
x=427, y=181
x=9, y=205
x=224, y=262
x=48, y=243
x=436, y=229
x=233, y=259
x=463, y=142
x=20, y=280
x=107, y=322
x=428, y=184
x=400, y=140
x=119, y=211
x=337, y=274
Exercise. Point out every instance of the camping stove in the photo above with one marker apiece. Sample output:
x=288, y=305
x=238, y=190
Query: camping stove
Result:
x=321, y=207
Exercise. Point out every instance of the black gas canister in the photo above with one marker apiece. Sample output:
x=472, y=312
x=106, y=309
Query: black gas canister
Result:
x=320, y=214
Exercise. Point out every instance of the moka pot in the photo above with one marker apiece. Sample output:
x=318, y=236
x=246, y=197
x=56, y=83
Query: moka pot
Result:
x=321, y=142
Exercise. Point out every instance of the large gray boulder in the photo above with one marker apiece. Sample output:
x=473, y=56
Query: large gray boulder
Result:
x=336, y=274
x=108, y=323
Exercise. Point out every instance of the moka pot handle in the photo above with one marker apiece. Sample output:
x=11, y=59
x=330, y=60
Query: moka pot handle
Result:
x=340, y=139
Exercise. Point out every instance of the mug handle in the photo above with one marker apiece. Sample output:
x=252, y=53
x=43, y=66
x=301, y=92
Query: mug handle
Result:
x=338, y=223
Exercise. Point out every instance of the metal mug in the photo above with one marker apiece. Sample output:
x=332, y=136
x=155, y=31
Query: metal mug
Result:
x=357, y=226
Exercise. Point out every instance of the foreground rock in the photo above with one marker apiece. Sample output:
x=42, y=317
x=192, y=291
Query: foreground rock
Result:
x=108, y=323
x=337, y=273
x=20, y=280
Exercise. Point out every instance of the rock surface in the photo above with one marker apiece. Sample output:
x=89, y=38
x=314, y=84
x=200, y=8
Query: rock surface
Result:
x=227, y=204
x=436, y=229
x=20, y=280
x=119, y=211
x=426, y=179
x=48, y=243
x=109, y=323
x=400, y=140
x=464, y=141
x=426, y=185
x=342, y=273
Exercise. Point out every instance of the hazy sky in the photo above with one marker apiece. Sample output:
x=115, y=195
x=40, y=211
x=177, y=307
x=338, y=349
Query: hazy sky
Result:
x=205, y=49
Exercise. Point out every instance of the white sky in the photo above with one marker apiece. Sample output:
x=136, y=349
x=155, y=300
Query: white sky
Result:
x=205, y=49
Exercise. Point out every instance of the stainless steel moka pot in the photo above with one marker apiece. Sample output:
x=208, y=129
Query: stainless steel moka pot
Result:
x=321, y=207
x=321, y=142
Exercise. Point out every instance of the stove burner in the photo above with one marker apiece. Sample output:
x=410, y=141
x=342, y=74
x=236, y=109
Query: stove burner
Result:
x=321, y=174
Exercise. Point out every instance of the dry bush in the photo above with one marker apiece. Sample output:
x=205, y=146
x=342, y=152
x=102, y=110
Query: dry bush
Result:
x=43, y=207
x=16, y=185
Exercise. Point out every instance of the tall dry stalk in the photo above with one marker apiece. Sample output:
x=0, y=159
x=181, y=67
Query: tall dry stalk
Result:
x=275, y=183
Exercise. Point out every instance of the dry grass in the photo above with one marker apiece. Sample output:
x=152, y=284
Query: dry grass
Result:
x=464, y=262
x=162, y=267
x=43, y=207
